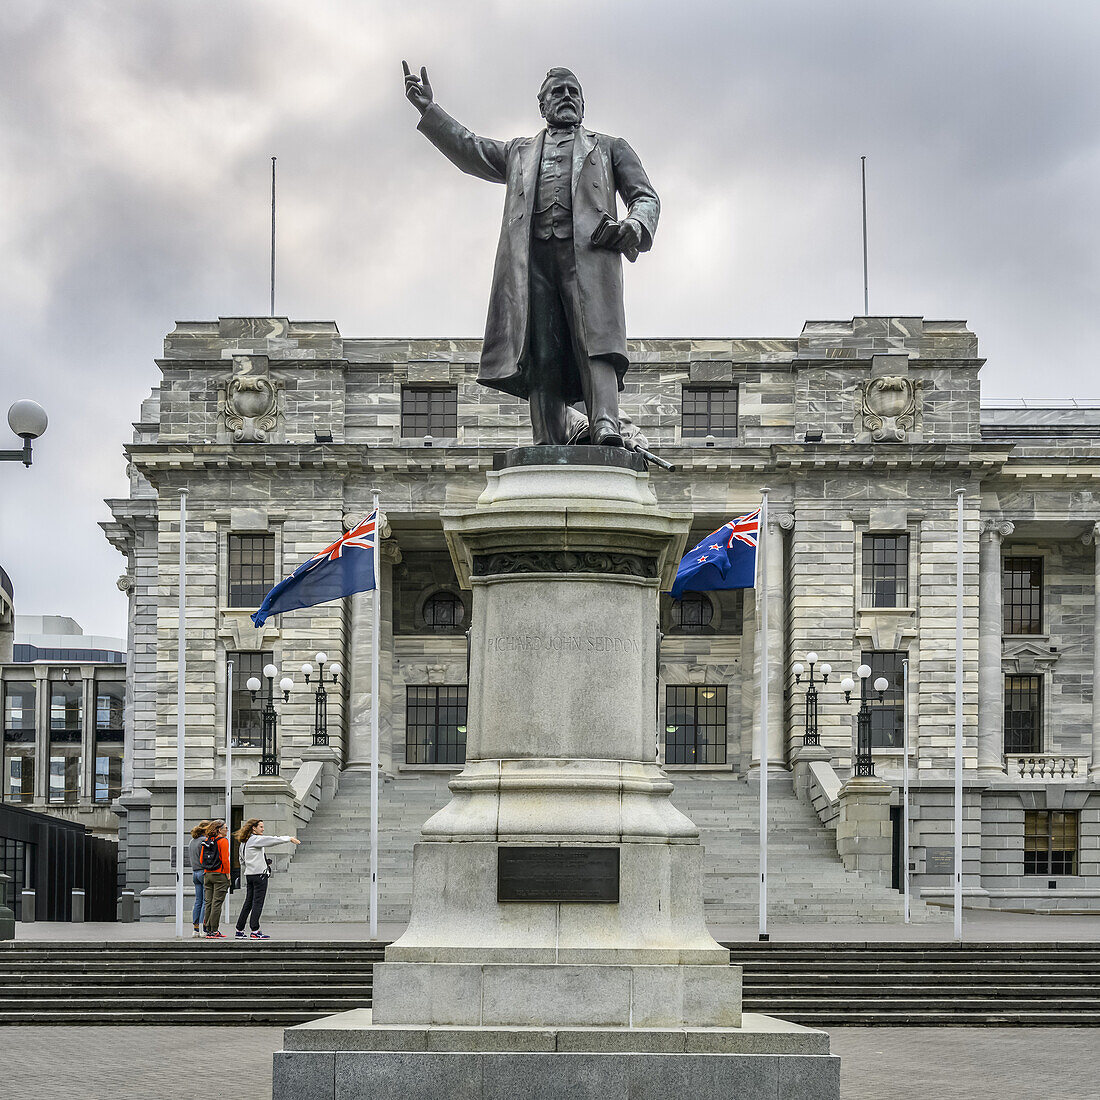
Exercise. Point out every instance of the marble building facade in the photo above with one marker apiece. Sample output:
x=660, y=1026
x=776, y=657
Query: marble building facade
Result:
x=863, y=431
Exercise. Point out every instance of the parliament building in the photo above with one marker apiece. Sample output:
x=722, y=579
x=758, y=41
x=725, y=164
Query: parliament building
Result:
x=865, y=432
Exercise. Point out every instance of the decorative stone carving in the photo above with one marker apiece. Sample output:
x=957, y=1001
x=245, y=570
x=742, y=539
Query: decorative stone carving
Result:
x=1029, y=658
x=996, y=529
x=564, y=561
x=125, y=583
x=251, y=400
x=890, y=407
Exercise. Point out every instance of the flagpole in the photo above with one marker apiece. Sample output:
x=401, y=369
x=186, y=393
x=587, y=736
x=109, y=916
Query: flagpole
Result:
x=181, y=697
x=229, y=746
x=762, y=622
x=905, y=785
x=376, y=633
x=959, y=494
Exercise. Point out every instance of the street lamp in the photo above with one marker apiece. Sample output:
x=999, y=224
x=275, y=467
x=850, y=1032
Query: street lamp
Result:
x=865, y=764
x=810, y=736
x=28, y=420
x=269, y=756
x=320, y=696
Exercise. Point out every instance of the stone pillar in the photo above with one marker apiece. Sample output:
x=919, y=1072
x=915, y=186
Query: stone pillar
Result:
x=990, y=679
x=802, y=756
x=1094, y=766
x=864, y=835
x=359, y=666
x=778, y=522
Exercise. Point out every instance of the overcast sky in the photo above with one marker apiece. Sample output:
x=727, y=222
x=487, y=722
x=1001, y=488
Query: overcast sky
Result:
x=135, y=138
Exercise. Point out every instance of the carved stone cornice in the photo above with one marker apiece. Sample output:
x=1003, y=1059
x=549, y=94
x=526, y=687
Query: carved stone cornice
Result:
x=783, y=520
x=564, y=561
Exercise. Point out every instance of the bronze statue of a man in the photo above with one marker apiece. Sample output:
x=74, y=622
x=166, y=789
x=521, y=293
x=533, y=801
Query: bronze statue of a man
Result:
x=556, y=330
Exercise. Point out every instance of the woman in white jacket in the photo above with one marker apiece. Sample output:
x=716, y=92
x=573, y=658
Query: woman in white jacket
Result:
x=255, y=870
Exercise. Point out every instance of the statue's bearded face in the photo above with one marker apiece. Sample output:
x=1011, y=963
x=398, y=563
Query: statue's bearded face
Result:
x=561, y=102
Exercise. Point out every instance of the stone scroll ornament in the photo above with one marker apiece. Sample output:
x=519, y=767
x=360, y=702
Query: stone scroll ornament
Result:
x=890, y=407
x=251, y=405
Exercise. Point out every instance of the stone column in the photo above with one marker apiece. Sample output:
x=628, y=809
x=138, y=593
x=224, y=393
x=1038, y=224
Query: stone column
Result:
x=1094, y=766
x=778, y=522
x=990, y=679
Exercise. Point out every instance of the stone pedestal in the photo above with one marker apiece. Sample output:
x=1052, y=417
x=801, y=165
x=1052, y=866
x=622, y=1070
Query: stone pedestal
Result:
x=801, y=759
x=329, y=756
x=864, y=835
x=521, y=963
x=271, y=799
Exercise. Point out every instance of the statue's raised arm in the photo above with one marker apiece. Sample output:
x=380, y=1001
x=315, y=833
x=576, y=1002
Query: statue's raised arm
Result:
x=556, y=330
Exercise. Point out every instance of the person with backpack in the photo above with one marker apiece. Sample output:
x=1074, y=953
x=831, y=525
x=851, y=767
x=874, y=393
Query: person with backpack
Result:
x=256, y=871
x=214, y=861
x=197, y=875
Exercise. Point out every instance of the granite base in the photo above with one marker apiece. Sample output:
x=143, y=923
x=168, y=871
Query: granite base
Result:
x=346, y=1057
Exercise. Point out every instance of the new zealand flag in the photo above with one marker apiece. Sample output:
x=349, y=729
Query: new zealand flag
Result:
x=724, y=559
x=345, y=567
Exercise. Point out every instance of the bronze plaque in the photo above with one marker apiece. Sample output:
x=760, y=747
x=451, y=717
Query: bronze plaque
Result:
x=526, y=873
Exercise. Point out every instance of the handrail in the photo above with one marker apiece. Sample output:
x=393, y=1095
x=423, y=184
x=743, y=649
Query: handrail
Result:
x=1046, y=765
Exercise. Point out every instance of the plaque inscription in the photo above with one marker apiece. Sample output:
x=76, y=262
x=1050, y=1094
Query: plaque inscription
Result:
x=527, y=873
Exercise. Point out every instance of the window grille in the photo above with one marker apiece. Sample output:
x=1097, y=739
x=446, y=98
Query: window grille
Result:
x=251, y=569
x=695, y=724
x=444, y=612
x=885, y=570
x=709, y=410
x=429, y=410
x=691, y=614
x=435, y=724
x=1022, y=595
x=1023, y=730
x=246, y=713
x=1050, y=842
x=887, y=714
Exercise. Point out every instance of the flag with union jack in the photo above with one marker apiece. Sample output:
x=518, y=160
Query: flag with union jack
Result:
x=726, y=558
x=345, y=567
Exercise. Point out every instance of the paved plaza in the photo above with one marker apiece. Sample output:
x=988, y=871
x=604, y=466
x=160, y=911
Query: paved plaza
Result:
x=979, y=926
x=178, y=1063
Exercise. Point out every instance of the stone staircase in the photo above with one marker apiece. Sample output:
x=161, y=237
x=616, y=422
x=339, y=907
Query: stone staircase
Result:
x=329, y=877
x=289, y=982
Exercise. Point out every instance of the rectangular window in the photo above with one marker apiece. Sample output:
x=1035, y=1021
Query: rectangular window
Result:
x=429, y=410
x=110, y=702
x=885, y=570
x=65, y=773
x=246, y=713
x=19, y=700
x=709, y=410
x=695, y=724
x=435, y=724
x=887, y=714
x=17, y=862
x=1050, y=842
x=66, y=711
x=18, y=775
x=1023, y=714
x=251, y=569
x=1022, y=595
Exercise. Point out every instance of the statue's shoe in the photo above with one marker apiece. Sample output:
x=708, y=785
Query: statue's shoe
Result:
x=606, y=437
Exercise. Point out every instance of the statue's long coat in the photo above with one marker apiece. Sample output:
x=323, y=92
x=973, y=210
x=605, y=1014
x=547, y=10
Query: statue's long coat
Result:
x=602, y=166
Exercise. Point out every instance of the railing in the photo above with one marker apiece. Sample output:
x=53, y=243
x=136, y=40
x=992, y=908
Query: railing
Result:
x=6, y=585
x=1046, y=765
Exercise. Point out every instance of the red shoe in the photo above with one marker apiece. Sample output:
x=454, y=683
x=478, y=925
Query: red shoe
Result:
x=215, y=936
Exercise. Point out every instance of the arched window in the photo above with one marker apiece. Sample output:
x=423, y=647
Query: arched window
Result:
x=444, y=612
x=691, y=614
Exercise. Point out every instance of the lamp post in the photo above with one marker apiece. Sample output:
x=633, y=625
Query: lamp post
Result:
x=865, y=764
x=269, y=755
x=810, y=736
x=28, y=420
x=320, y=695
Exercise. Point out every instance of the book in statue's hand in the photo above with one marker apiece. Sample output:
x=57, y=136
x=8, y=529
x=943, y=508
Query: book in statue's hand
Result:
x=604, y=236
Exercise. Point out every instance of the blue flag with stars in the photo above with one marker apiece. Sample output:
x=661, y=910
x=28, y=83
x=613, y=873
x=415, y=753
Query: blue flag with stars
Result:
x=726, y=558
x=345, y=567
